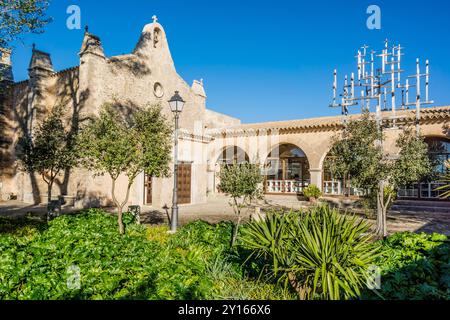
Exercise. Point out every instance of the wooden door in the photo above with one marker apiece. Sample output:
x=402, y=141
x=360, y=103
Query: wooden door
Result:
x=184, y=183
x=148, y=190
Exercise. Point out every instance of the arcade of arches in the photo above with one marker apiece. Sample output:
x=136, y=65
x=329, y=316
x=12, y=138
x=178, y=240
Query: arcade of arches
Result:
x=297, y=156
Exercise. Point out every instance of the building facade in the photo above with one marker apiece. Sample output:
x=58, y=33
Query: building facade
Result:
x=294, y=151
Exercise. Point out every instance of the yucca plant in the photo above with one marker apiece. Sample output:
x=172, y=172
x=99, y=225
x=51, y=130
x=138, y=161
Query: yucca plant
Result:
x=321, y=254
x=446, y=180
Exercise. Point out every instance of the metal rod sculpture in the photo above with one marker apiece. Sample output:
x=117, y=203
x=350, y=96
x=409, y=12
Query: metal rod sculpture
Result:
x=380, y=83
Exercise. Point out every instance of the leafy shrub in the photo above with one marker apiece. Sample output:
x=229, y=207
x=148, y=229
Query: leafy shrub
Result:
x=312, y=191
x=321, y=254
x=158, y=234
x=243, y=184
x=24, y=228
x=414, y=266
x=145, y=263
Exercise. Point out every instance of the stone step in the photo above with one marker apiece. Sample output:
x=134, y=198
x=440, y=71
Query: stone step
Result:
x=422, y=203
x=422, y=206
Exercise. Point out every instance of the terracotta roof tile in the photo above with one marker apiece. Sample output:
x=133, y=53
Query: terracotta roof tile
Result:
x=432, y=113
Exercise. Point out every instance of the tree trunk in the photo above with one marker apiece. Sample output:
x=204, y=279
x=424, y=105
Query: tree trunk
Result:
x=120, y=220
x=236, y=231
x=237, y=211
x=381, y=229
x=49, y=191
x=120, y=205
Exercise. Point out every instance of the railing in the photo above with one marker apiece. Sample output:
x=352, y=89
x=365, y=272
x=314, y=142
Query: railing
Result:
x=426, y=191
x=332, y=188
x=335, y=188
x=285, y=186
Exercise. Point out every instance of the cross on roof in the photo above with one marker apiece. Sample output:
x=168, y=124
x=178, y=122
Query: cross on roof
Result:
x=155, y=19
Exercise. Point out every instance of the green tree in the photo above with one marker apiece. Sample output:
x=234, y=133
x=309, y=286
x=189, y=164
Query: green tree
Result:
x=18, y=17
x=49, y=150
x=242, y=182
x=116, y=144
x=358, y=152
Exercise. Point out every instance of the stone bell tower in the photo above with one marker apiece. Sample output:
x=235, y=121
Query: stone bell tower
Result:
x=39, y=72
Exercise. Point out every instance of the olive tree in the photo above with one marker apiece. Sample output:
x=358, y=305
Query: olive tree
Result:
x=49, y=150
x=18, y=18
x=118, y=144
x=243, y=183
x=358, y=152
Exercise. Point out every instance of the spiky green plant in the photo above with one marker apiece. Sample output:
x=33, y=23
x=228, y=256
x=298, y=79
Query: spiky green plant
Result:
x=322, y=254
x=446, y=180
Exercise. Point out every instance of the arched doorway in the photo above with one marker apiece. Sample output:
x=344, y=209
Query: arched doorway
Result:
x=229, y=156
x=439, y=153
x=287, y=170
x=233, y=155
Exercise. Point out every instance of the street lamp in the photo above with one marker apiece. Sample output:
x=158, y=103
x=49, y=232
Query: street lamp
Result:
x=176, y=106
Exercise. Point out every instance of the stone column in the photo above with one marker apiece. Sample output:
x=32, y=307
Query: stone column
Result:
x=316, y=177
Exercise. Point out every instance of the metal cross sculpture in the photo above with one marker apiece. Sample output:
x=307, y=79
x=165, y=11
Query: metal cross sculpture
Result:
x=376, y=83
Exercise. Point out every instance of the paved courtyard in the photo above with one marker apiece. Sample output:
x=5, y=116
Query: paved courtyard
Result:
x=217, y=209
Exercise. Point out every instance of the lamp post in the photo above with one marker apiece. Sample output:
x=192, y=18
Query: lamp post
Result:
x=176, y=106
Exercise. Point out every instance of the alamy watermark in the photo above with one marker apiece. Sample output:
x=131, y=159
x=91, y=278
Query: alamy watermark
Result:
x=73, y=22
x=374, y=20
x=374, y=278
x=73, y=277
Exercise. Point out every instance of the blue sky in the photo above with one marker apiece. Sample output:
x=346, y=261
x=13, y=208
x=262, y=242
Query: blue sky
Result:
x=260, y=60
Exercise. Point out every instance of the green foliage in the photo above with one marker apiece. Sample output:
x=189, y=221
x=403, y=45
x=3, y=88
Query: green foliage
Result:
x=322, y=254
x=312, y=191
x=413, y=162
x=51, y=150
x=242, y=182
x=370, y=201
x=145, y=263
x=358, y=153
x=446, y=180
x=355, y=153
x=414, y=267
x=198, y=262
x=116, y=143
x=20, y=17
x=158, y=234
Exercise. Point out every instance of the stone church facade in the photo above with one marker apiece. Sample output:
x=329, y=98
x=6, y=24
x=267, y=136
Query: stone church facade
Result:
x=294, y=151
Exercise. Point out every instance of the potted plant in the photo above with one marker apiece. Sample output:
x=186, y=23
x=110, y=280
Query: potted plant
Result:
x=312, y=193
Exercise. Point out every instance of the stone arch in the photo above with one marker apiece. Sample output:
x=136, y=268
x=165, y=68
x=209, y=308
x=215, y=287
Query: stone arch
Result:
x=228, y=154
x=286, y=141
x=287, y=169
x=439, y=151
x=219, y=145
x=232, y=154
